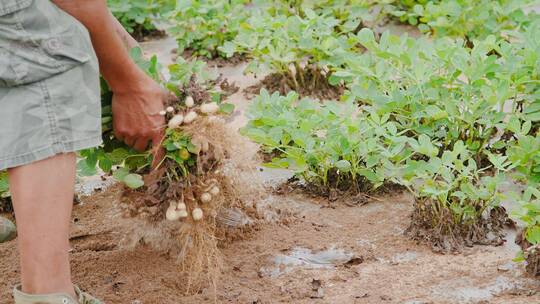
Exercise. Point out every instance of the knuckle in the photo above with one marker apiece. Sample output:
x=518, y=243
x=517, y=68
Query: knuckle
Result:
x=119, y=133
x=130, y=133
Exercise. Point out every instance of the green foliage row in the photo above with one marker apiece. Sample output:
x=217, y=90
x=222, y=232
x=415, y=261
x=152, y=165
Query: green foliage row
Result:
x=440, y=89
x=351, y=15
x=463, y=18
x=443, y=119
x=291, y=45
x=204, y=27
x=209, y=27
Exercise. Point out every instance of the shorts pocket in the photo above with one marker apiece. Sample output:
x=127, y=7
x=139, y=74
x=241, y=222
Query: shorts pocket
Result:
x=25, y=64
x=10, y=6
x=38, y=41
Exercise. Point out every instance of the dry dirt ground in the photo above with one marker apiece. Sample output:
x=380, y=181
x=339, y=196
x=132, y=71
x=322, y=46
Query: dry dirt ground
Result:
x=327, y=253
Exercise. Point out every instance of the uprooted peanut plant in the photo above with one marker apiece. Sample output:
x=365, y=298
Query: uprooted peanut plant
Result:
x=196, y=197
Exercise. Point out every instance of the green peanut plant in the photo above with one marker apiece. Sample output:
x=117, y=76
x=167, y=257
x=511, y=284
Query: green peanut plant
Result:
x=300, y=53
x=524, y=155
x=456, y=203
x=139, y=17
x=528, y=214
x=526, y=52
x=202, y=27
x=330, y=146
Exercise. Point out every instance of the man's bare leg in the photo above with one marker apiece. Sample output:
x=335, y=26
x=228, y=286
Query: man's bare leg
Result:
x=42, y=195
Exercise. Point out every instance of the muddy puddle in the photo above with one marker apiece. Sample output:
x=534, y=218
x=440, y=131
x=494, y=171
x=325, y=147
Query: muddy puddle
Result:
x=462, y=292
x=307, y=259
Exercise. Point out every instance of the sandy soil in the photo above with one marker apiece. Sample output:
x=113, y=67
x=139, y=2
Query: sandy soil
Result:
x=327, y=254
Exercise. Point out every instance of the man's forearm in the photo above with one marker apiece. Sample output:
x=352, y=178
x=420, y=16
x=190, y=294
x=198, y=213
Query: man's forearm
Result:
x=115, y=65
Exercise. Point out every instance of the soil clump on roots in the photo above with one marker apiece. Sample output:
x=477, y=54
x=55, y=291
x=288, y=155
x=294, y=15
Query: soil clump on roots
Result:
x=353, y=192
x=309, y=81
x=213, y=61
x=141, y=34
x=531, y=254
x=438, y=227
x=200, y=93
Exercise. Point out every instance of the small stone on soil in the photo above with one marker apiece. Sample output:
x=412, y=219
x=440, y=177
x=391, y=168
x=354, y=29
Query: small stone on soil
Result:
x=506, y=267
x=362, y=296
x=317, y=290
x=354, y=261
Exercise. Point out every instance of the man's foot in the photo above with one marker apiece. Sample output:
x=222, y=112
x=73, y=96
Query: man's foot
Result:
x=85, y=298
x=8, y=231
x=57, y=298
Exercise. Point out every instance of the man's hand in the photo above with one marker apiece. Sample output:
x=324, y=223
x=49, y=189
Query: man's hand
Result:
x=137, y=99
x=136, y=115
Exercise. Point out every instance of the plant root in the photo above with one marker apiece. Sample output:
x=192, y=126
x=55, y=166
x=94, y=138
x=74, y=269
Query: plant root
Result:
x=215, y=60
x=357, y=191
x=531, y=253
x=230, y=215
x=309, y=81
x=141, y=34
x=439, y=229
x=199, y=92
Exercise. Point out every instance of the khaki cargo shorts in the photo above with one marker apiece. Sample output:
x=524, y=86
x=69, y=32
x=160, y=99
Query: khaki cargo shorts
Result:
x=49, y=83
